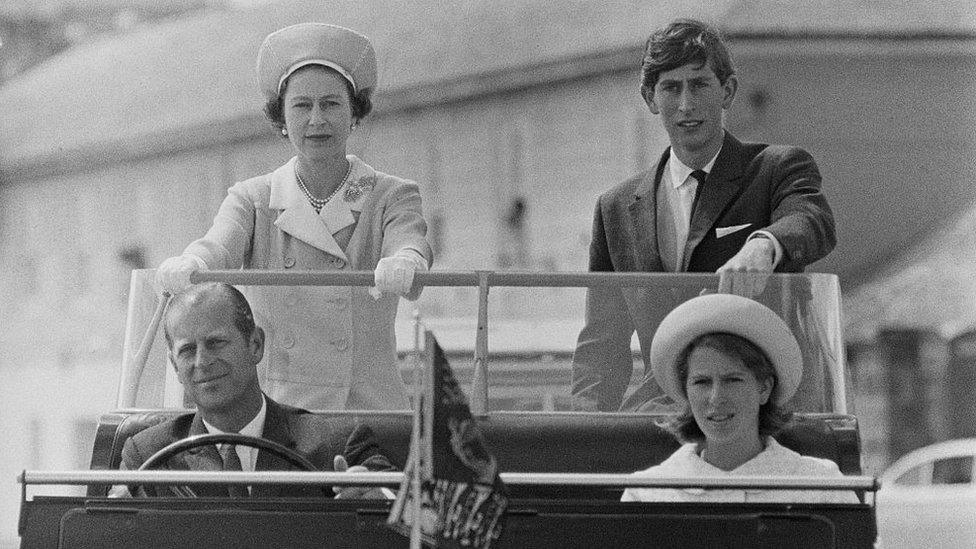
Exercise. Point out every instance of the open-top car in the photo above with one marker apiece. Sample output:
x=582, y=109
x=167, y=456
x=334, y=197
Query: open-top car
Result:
x=509, y=338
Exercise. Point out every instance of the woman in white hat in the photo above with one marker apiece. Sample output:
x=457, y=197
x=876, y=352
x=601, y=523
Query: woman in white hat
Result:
x=330, y=348
x=732, y=363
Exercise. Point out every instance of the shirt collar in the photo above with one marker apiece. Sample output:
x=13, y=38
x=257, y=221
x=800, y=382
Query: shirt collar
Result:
x=679, y=171
x=254, y=428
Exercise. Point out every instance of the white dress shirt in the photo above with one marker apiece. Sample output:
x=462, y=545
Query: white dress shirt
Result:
x=678, y=189
x=247, y=454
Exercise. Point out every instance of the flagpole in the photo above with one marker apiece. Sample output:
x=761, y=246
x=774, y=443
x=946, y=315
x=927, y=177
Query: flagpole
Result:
x=418, y=365
x=479, y=378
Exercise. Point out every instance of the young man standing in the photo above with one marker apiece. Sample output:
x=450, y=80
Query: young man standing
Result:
x=710, y=204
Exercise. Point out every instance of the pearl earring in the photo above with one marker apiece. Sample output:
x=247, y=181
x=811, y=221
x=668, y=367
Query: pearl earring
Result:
x=284, y=131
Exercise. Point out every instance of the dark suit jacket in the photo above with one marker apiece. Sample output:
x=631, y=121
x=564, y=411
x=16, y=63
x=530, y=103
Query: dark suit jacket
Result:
x=282, y=424
x=770, y=187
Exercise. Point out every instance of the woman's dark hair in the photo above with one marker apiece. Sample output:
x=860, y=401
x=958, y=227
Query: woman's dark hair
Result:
x=361, y=103
x=772, y=418
x=684, y=41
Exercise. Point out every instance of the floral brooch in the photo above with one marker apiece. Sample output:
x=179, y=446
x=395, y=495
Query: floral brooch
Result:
x=359, y=188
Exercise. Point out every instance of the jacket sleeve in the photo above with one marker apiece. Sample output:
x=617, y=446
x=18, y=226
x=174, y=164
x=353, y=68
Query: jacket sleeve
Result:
x=131, y=461
x=227, y=244
x=404, y=227
x=403, y=222
x=362, y=449
x=602, y=362
x=801, y=220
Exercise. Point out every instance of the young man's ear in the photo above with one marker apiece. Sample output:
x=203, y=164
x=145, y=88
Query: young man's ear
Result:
x=648, y=95
x=730, y=87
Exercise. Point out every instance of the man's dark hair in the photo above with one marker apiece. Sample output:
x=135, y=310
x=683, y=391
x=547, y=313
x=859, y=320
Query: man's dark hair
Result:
x=684, y=41
x=772, y=418
x=206, y=294
x=361, y=103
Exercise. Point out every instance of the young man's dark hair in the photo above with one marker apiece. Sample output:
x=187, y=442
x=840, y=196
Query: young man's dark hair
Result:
x=684, y=41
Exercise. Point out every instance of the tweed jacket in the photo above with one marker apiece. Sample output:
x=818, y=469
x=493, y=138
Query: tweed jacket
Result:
x=774, y=460
x=327, y=347
x=751, y=186
x=282, y=424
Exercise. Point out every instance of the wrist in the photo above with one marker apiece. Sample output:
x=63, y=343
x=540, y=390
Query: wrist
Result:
x=765, y=244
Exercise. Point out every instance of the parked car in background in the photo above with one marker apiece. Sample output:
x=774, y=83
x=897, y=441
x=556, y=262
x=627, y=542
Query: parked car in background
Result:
x=928, y=498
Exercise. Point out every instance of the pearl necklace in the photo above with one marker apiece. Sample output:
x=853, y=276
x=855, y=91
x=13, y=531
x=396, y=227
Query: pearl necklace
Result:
x=319, y=203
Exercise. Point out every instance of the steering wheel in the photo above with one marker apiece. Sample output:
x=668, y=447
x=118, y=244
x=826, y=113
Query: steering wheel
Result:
x=188, y=443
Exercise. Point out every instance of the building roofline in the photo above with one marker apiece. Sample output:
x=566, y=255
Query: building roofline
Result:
x=253, y=124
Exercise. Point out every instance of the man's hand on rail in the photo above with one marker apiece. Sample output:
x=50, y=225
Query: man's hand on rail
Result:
x=173, y=275
x=357, y=492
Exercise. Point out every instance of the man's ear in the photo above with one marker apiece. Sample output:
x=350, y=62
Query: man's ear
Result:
x=256, y=344
x=172, y=361
x=730, y=87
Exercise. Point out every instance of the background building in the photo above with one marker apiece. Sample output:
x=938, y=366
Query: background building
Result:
x=512, y=115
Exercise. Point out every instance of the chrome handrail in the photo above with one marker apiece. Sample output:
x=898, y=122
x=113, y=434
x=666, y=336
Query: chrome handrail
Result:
x=256, y=277
x=604, y=480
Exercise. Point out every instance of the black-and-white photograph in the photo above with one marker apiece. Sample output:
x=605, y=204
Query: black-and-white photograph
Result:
x=699, y=273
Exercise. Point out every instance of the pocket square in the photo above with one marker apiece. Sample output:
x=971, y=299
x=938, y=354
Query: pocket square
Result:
x=725, y=231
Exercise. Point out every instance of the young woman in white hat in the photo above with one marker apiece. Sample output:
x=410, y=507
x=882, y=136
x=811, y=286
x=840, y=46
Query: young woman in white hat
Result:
x=329, y=348
x=733, y=364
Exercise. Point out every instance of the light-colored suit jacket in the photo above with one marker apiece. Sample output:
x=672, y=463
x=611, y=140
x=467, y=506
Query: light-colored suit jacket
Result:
x=751, y=186
x=327, y=347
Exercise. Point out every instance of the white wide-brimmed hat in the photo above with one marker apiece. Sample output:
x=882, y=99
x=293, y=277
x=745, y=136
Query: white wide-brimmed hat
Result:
x=344, y=50
x=728, y=314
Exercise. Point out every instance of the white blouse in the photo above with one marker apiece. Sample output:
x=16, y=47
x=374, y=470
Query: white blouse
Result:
x=774, y=460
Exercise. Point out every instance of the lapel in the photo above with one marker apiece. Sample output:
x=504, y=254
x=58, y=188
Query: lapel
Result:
x=297, y=217
x=204, y=458
x=643, y=216
x=276, y=429
x=723, y=184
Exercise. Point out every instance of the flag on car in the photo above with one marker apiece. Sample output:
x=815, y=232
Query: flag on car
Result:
x=451, y=480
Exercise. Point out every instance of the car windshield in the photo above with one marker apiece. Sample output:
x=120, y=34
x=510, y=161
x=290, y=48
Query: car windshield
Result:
x=529, y=325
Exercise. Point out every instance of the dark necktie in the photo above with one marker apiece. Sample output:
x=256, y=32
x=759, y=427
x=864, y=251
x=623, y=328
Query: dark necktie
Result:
x=700, y=175
x=232, y=462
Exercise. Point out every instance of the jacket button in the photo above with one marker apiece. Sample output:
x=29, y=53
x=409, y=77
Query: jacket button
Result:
x=288, y=342
x=338, y=262
x=341, y=344
x=289, y=262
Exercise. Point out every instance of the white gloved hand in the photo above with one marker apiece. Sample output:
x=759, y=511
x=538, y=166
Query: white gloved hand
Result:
x=174, y=273
x=394, y=275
